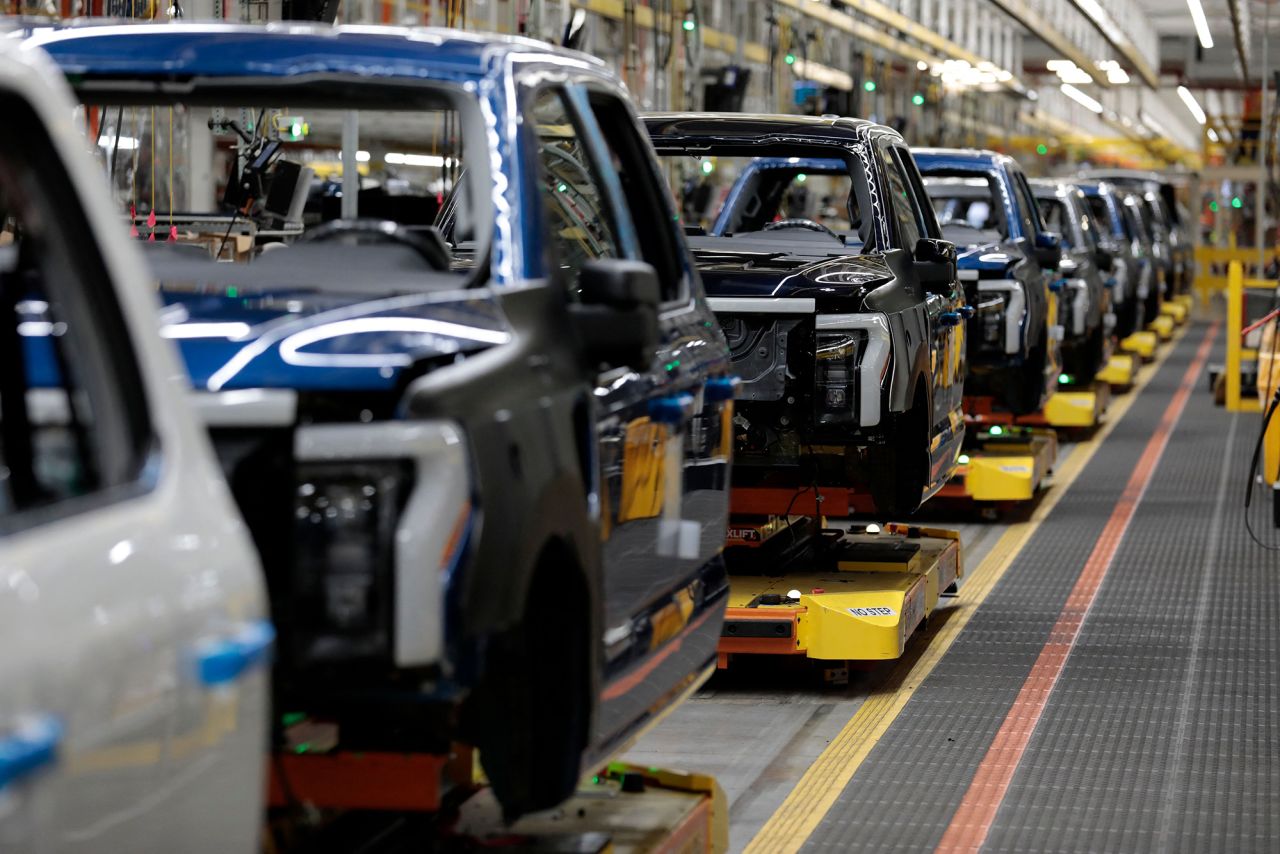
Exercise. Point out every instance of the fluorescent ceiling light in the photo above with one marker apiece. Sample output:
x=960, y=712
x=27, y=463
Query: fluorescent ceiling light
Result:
x=1081, y=98
x=1069, y=72
x=1190, y=100
x=1115, y=74
x=396, y=158
x=1213, y=135
x=1202, y=24
x=362, y=156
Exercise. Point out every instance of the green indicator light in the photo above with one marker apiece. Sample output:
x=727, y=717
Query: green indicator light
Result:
x=790, y=59
x=296, y=129
x=302, y=748
x=1213, y=206
x=870, y=85
x=233, y=292
x=917, y=99
x=562, y=187
x=689, y=26
x=293, y=718
x=963, y=459
x=1064, y=379
x=708, y=167
x=595, y=780
x=1042, y=149
x=997, y=430
x=801, y=177
x=1236, y=203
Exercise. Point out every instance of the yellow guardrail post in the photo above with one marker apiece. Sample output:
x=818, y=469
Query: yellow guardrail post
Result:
x=1211, y=259
x=1235, y=320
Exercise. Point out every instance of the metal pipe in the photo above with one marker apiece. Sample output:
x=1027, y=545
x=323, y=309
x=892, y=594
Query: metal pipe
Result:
x=350, y=170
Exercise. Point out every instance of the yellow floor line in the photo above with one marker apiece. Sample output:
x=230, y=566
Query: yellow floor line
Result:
x=795, y=819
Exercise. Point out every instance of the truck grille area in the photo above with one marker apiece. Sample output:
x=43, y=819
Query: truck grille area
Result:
x=325, y=536
x=759, y=347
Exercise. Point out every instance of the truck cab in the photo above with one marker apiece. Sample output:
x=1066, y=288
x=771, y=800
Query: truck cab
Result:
x=1008, y=260
x=1085, y=298
x=829, y=275
x=457, y=365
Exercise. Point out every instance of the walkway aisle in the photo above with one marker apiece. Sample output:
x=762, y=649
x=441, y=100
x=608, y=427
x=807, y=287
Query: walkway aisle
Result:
x=1119, y=690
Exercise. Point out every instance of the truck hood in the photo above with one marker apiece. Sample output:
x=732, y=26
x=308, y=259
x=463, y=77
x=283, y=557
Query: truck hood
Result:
x=852, y=276
x=987, y=258
x=308, y=341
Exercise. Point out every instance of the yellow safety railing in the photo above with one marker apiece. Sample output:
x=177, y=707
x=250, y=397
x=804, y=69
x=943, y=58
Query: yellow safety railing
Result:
x=1212, y=263
x=1239, y=399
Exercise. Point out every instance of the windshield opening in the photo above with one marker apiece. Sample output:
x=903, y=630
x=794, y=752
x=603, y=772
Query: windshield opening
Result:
x=795, y=202
x=1102, y=214
x=256, y=177
x=969, y=207
x=1057, y=218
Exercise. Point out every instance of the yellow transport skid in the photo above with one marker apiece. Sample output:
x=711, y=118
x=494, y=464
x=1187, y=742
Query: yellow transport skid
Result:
x=1010, y=465
x=1120, y=372
x=1176, y=310
x=1077, y=407
x=1162, y=326
x=861, y=599
x=1141, y=344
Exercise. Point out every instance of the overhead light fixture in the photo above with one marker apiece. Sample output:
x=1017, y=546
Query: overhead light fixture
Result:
x=1081, y=98
x=1190, y=100
x=1213, y=135
x=1202, y=24
x=922, y=66
x=1069, y=72
x=1115, y=74
x=396, y=158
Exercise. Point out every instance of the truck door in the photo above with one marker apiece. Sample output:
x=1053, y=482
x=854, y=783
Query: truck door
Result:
x=115, y=549
x=654, y=543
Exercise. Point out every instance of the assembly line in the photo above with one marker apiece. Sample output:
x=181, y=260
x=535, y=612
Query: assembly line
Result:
x=493, y=424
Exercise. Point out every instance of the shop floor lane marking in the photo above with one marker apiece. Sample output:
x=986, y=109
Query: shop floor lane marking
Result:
x=807, y=804
x=972, y=820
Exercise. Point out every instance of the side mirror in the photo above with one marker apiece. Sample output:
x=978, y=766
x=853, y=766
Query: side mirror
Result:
x=1104, y=258
x=616, y=317
x=1048, y=250
x=935, y=263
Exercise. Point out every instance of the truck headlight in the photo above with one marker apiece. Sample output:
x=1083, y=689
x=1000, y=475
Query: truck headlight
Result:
x=345, y=517
x=836, y=360
x=851, y=360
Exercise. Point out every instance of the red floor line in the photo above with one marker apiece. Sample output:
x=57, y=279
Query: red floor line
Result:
x=972, y=821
